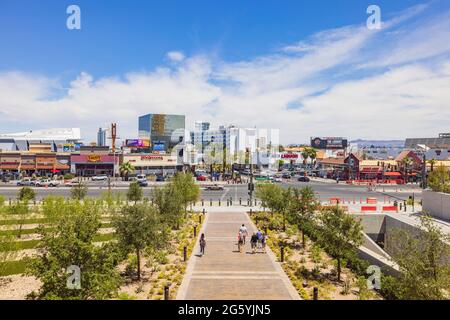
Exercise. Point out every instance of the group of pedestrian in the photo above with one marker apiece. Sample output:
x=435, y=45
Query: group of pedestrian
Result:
x=257, y=241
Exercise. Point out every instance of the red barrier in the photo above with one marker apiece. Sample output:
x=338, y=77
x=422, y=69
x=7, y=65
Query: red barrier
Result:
x=368, y=208
x=390, y=209
x=371, y=200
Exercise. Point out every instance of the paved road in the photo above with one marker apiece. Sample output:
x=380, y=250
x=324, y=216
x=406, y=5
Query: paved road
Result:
x=323, y=190
x=223, y=273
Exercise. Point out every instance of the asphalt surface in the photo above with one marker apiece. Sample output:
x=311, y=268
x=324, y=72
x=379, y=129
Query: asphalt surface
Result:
x=324, y=190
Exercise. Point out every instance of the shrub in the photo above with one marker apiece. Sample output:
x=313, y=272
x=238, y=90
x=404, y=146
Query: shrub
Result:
x=26, y=194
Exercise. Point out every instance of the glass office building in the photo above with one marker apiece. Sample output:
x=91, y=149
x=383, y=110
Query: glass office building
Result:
x=163, y=130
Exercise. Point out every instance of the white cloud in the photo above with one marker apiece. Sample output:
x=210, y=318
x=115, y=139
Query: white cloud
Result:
x=334, y=88
x=176, y=56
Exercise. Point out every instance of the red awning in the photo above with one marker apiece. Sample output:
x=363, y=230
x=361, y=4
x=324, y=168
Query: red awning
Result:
x=392, y=174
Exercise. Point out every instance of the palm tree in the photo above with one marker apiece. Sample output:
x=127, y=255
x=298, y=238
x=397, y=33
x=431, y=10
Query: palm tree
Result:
x=312, y=154
x=406, y=163
x=432, y=163
x=305, y=155
x=125, y=169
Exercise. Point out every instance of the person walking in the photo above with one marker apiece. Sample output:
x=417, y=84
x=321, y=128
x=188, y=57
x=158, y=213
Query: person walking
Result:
x=259, y=236
x=202, y=244
x=244, y=232
x=254, y=242
x=263, y=243
x=240, y=241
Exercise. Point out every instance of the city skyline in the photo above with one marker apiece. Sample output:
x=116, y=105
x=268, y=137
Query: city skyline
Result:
x=333, y=78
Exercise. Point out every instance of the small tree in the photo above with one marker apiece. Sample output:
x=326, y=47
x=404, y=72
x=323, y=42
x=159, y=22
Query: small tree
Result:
x=79, y=191
x=186, y=189
x=423, y=259
x=8, y=245
x=169, y=205
x=135, y=192
x=26, y=194
x=438, y=180
x=139, y=227
x=339, y=234
x=69, y=241
x=302, y=210
x=21, y=209
x=271, y=196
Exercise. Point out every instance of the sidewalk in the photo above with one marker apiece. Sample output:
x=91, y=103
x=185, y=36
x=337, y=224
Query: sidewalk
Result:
x=223, y=273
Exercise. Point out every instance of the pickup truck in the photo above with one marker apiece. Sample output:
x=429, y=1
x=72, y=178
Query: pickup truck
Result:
x=26, y=183
x=47, y=183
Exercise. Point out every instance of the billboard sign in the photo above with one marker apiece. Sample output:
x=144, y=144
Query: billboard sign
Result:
x=137, y=143
x=159, y=146
x=329, y=143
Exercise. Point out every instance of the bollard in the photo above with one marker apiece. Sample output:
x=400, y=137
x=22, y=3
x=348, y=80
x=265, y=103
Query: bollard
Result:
x=282, y=254
x=404, y=206
x=184, y=254
x=199, y=219
x=251, y=211
x=219, y=202
x=204, y=211
x=401, y=206
x=228, y=203
x=255, y=203
x=9, y=201
x=203, y=203
x=231, y=201
x=316, y=293
x=195, y=231
x=210, y=202
x=248, y=202
x=166, y=292
x=240, y=201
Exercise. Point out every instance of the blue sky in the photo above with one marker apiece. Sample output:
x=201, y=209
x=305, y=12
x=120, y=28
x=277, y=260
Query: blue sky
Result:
x=241, y=62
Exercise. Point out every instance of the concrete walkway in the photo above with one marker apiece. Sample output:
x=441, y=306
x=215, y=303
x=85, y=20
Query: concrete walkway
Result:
x=225, y=274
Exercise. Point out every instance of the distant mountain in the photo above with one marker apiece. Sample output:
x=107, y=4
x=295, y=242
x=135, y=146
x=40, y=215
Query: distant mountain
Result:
x=379, y=143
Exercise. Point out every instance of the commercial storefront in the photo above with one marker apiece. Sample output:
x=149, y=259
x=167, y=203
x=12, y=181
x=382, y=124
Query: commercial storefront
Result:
x=40, y=164
x=88, y=165
x=153, y=164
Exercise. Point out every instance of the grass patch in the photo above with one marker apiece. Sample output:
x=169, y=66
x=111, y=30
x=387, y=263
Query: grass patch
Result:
x=12, y=267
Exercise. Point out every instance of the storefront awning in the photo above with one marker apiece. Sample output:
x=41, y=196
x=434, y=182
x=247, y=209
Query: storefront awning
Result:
x=392, y=174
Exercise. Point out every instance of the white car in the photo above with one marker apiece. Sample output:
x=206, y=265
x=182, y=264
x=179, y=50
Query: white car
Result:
x=47, y=183
x=100, y=178
x=277, y=179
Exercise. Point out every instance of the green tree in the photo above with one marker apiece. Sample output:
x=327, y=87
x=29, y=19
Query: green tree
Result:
x=79, y=191
x=432, y=163
x=186, y=189
x=135, y=192
x=339, y=234
x=423, y=259
x=271, y=196
x=169, y=204
x=8, y=245
x=70, y=242
x=20, y=209
x=139, y=227
x=438, y=180
x=126, y=169
x=302, y=209
x=26, y=194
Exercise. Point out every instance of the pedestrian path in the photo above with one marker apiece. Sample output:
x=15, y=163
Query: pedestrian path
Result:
x=225, y=274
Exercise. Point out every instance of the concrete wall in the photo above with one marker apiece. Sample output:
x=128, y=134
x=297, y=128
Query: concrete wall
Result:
x=436, y=204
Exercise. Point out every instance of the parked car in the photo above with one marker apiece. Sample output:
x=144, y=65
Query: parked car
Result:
x=26, y=183
x=142, y=183
x=47, y=183
x=214, y=187
x=72, y=183
x=277, y=179
x=286, y=176
x=159, y=178
x=304, y=179
x=100, y=178
x=201, y=178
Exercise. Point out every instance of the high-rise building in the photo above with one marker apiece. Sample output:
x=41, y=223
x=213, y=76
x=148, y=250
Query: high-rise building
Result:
x=163, y=130
x=101, y=137
x=202, y=126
